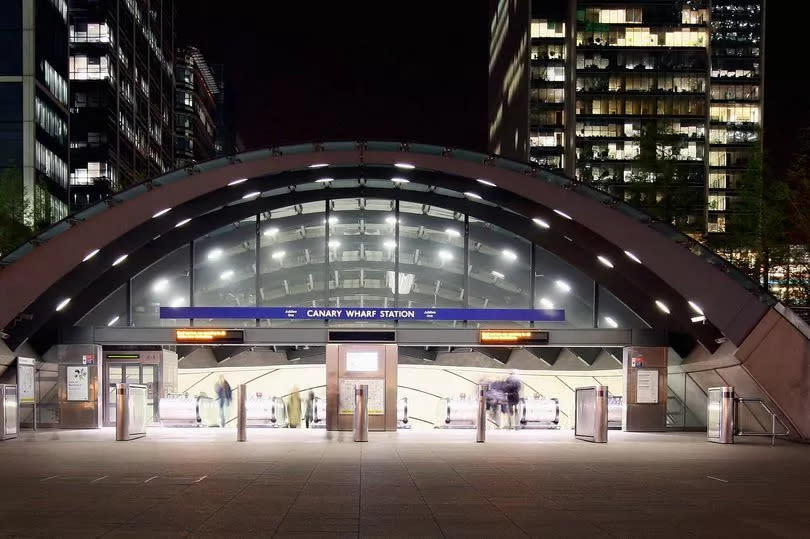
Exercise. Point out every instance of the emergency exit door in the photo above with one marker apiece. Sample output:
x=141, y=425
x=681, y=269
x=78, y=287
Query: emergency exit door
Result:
x=130, y=373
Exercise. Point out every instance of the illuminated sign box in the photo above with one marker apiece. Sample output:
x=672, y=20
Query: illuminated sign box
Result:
x=362, y=361
x=212, y=336
x=512, y=336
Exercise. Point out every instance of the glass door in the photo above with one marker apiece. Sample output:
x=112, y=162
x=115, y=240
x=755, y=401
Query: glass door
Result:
x=130, y=373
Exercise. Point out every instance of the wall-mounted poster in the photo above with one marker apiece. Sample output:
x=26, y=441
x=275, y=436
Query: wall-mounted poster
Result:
x=376, y=395
x=647, y=386
x=25, y=380
x=78, y=383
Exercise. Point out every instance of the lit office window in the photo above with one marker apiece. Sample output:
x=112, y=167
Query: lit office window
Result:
x=84, y=67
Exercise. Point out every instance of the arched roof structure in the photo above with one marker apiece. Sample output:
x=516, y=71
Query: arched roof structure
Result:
x=646, y=264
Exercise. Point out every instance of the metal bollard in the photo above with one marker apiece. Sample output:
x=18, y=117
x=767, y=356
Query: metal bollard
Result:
x=122, y=412
x=481, y=425
x=361, y=413
x=241, y=414
x=600, y=415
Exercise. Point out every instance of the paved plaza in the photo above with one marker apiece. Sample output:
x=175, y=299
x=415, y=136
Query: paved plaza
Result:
x=196, y=482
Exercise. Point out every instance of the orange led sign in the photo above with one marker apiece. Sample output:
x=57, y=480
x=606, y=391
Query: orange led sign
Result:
x=512, y=336
x=206, y=335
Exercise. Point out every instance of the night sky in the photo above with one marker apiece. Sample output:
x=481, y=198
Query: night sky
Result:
x=415, y=70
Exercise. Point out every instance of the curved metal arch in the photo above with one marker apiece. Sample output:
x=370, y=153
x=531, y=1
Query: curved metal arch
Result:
x=734, y=305
x=97, y=280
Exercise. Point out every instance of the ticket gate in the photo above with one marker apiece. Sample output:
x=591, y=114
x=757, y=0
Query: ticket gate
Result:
x=539, y=413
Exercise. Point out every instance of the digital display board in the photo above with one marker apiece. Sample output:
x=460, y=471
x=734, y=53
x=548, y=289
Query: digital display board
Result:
x=512, y=336
x=207, y=335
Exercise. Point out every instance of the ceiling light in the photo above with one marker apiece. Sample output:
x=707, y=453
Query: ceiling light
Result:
x=470, y=194
x=611, y=322
x=324, y=180
x=90, y=255
x=509, y=255
x=237, y=182
x=225, y=275
x=452, y=232
x=119, y=260
x=181, y=223
x=562, y=285
x=605, y=261
x=445, y=255
x=161, y=212
x=485, y=182
x=632, y=257
x=696, y=308
x=278, y=255
x=546, y=303
x=391, y=220
x=113, y=320
x=541, y=223
x=334, y=244
x=62, y=304
x=563, y=214
x=160, y=285
x=663, y=306
x=404, y=165
x=177, y=302
x=400, y=180
x=214, y=254
x=319, y=165
x=698, y=319
x=497, y=274
x=389, y=244
x=272, y=231
x=333, y=220
x=253, y=194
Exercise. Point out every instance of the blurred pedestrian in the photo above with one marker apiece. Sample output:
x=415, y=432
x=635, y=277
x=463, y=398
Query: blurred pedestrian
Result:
x=310, y=405
x=294, y=409
x=224, y=396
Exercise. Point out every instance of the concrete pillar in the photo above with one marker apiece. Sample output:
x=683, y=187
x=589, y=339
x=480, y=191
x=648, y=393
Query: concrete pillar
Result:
x=645, y=389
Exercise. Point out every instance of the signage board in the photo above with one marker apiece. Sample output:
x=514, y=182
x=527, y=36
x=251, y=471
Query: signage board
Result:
x=647, y=386
x=25, y=380
x=208, y=335
x=512, y=336
x=362, y=361
x=364, y=313
x=376, y=395
x=78, y=383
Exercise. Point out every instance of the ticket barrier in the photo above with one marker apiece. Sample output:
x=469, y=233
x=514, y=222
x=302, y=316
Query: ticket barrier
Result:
x=539, y=413
x=457, y=413
x=402, y=413
x=266, y=412
x=188, y=411
x=591, y=414
x=615, y=413
x=9, y=416
x=130, y=411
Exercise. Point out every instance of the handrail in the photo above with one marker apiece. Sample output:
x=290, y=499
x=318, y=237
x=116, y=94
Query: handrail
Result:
x=773, y=434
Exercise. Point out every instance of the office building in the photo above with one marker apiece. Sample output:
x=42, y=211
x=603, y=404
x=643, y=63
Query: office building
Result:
x=195, y=103
x=122, y=95
x=34, y=116
x=603, y=79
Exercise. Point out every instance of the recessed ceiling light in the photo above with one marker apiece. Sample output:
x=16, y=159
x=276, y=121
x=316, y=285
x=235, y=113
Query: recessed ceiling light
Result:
x=90, y=255
x=445, y=255
x=472, y=195
x=272, y=231
x=563, y=214
x=661, y=305
x=324, y=180
x=452, y=232
x=278, y=255
x=181, y=223
x=237, y=182
x=225, y=275
x=497, y=274
x=62, y=304
x=697, y=319
x=546, y=303
x=605, y=261
x=214, y=254
x=562, y=285
x=333, y=220
x=509, y=255
x=400, y=180
x=119, y=260
x=319, y=165
x=391, y=220
x=541, y=223
x=334, y=243
x=611, y=322
x=404, y=165
x=113, y=320
x=162, y=212
x=485, y=182
x=696, y=308
x=253, y=194
x=160, y=285
x=632, y=257
x=389, y=244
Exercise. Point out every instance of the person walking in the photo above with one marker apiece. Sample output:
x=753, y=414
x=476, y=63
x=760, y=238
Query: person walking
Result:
x=294, y=409
x=310, y=405
x=224, y=395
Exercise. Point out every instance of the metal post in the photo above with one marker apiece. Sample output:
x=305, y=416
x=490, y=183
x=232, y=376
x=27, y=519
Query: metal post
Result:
x=481, y=424
x=241, y=417
x=600, y=415
x=361, y=413
x=122, y=412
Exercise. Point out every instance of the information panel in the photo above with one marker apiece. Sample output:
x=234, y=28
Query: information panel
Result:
x=25, y=380
x=647, y=386
x=376, y=395
x=78, y=383
x=362, y=361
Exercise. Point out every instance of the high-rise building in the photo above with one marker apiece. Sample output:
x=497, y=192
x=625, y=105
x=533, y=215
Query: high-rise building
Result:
x=195, y=104
x=227, y=140
x=605, y=78
x=34, y=151
x=122, y=94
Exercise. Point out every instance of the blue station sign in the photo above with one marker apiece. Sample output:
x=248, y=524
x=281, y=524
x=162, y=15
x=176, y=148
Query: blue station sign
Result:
x=365, y=313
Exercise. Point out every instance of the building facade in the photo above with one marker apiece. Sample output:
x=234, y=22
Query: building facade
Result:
x=614, y=85
x=195, y=103
x=34, y=117
x=122, y=94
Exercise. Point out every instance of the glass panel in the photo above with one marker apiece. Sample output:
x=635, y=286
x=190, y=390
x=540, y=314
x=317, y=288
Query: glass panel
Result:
x=500, y=268
x=225, y=270
x=163, y=284
x=362, y=253
x=132, y=374
x=115, y=374
x=558, y=285
x=112, y=311
x=613, y=313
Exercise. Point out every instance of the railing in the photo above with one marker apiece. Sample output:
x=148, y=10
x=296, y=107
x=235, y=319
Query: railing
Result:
x=774, y=419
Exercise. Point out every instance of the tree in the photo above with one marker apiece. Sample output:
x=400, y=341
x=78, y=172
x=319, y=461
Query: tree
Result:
x=15, y=210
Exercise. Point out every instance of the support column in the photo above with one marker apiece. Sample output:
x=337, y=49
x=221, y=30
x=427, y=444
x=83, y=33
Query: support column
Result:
x=645, y=389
